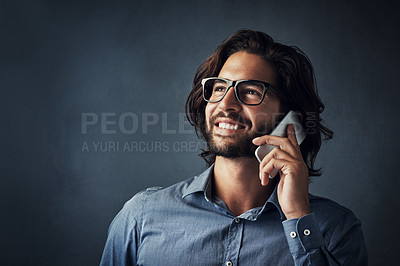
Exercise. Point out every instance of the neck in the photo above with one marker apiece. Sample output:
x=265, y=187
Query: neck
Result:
x=237, y=183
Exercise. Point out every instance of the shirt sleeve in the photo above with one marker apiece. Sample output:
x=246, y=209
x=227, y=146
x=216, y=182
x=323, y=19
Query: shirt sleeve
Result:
x=344, y=245
x=122, y=239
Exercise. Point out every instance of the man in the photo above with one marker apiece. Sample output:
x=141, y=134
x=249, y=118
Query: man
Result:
x=233, y=213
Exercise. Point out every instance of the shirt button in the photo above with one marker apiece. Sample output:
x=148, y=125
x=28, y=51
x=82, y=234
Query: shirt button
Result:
x=293, y=234
x=237, y=220
x=229, y=263
x=307, y=232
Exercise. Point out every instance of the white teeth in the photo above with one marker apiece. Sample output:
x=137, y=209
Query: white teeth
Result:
x=228, y=126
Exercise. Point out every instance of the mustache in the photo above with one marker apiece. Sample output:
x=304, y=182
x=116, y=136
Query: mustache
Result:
x=234, y=116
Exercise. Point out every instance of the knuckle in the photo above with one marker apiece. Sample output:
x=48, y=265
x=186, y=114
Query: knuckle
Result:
x=275, y=151
x=285, y=143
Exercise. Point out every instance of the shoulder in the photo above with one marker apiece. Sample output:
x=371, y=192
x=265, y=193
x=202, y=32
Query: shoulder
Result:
x=158, y=195
x=150, y=198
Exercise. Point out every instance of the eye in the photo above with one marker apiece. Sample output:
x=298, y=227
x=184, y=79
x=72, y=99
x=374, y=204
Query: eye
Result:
x=219, y=88
x=252, y=92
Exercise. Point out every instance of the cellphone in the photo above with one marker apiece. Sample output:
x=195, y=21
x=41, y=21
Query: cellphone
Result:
x=280, y=130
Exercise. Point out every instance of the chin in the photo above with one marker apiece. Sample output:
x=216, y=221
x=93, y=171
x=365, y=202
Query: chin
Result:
x=232, y=148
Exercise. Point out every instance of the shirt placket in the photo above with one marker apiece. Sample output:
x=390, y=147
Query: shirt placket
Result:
x=234, y=242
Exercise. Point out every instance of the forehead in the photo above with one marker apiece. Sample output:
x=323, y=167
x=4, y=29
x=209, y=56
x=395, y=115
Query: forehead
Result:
x=242, y=65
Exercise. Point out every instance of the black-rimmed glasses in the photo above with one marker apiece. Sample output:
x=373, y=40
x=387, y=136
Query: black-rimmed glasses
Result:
x=249, y=92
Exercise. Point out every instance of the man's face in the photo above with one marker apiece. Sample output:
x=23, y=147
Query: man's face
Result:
x=230, y=125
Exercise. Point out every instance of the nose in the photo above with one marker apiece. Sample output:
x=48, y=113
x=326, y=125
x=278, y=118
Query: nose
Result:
x=230, y=102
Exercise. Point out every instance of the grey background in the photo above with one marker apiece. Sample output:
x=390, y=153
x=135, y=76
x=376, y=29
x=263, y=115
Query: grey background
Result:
x=60, y=59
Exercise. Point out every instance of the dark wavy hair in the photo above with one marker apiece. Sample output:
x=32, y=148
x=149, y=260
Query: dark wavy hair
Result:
x=296, y=79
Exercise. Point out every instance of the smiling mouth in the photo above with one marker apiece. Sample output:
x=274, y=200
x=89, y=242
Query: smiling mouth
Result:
x=229, y=126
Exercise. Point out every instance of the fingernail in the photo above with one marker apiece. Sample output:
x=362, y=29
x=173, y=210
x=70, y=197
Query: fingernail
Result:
x=291, y=129
x=273, y=174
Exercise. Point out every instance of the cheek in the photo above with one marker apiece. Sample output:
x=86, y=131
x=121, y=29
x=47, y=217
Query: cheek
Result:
x=209, y=111
x=265, y=117
x=262, y=121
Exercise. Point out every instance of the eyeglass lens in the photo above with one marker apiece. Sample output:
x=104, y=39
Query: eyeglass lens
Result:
x=248, y=92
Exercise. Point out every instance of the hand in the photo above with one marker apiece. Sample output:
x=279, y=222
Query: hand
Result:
x=287, y=158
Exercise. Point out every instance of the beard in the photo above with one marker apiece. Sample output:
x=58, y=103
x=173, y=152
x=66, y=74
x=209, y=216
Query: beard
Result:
x=234, y=146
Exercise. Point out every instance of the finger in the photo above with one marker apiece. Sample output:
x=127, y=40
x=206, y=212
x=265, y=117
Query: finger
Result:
x=278, y=154
x=274, y=163
x=283, y=143
x=261, y=140
x=264, y=162
x=273, y=173
x=264, y=180
x=292, y=135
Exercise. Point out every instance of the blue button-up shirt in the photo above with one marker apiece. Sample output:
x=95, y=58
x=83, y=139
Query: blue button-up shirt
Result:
x=184, y=225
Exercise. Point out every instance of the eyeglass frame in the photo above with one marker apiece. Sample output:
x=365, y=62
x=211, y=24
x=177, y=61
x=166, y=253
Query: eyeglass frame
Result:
x=234, y=83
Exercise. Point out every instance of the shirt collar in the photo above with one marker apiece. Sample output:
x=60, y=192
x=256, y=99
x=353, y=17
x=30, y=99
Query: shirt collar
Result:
x=199, y=184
